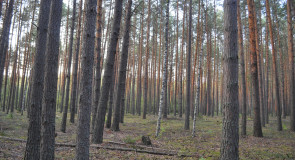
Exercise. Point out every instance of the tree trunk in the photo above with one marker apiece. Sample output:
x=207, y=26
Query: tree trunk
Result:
x=139, y=86
x=122, y=70
x=274, y=67
x=51, y=75
x=98, y=38
x=68, y=80
x=257, y=131
x=146, y=62
x=242, y=71
x=291, y=66
x=75, y=66
x=199, y=43
x=87, y=52
x=181, y=65
x=34, y=129
x=230, y=127
x=188, y=70
x=4, y=38
x=108, y=74
x=164, y=81
x=176, y=63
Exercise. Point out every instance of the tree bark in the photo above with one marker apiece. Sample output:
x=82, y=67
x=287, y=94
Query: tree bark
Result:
x=291, y=65
x=51, y=75
x=242, y=71
x=199, y=43
x=34, y=130
x=98, y=38
x=68, y=80
x=108, y=74
x=164, y=81
x=257, y=131
x=188, y=70
x=75, y=66
x=230, y=127
x=274, y=67
x=87, y=52
x=139, y=86
x=122, y=69
x=4, y=42
x=147, y=62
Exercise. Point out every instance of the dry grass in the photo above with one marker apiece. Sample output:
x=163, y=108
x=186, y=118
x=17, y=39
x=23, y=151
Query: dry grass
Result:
x=206, y=144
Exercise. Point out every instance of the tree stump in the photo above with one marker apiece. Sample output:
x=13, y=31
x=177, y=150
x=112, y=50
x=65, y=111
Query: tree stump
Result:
x=146, y=140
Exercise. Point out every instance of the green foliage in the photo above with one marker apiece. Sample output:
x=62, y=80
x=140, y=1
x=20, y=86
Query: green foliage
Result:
x=2, y=133
x=10, y=116
x=129, y=140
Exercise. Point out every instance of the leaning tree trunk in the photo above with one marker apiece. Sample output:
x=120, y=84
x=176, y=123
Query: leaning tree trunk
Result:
x=164, y=81
x=230, y=127
x=122, y=69
x=34, y=130
x=257, y=131
x=68, y=80
x=51, y=76
x=108, y=74
x=87, y=52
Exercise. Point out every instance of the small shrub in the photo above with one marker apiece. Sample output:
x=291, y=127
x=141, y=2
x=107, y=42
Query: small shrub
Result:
x=129, y=140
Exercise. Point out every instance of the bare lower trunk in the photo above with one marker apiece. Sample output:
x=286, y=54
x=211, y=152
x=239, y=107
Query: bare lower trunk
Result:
x=34, y=130
x=291, y=66
x=230, y=127
x=122, y=70
x=68, y=80
x=108, y=74
x=164, y=81
x=51, y=75
x=87, y=53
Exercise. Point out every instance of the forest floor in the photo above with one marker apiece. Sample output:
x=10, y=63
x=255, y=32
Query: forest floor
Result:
x=206, y=144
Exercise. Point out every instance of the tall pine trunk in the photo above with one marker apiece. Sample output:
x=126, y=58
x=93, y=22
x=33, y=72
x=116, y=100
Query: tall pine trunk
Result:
x=51, y=75
x=122, y=69
x=230, y=127
x=68, y=80
x=242, y=71
x=257, y=131
x=97, y=82
x=34, y=130
x=87, y=52
x=108, y=74
x=274, y=67
x=75, y=65
x=291, y=66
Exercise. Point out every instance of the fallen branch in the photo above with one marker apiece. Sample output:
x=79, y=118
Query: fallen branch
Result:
x=169, y=153
x=139, y=146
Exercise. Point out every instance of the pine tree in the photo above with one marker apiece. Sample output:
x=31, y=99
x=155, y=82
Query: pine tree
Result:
x=108, y=74
x=87, y=53
x=34, y=130
x=50, y=79
x=230, y=127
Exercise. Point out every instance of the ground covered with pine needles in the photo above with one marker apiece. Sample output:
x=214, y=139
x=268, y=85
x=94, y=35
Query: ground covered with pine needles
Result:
x=173, y=139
